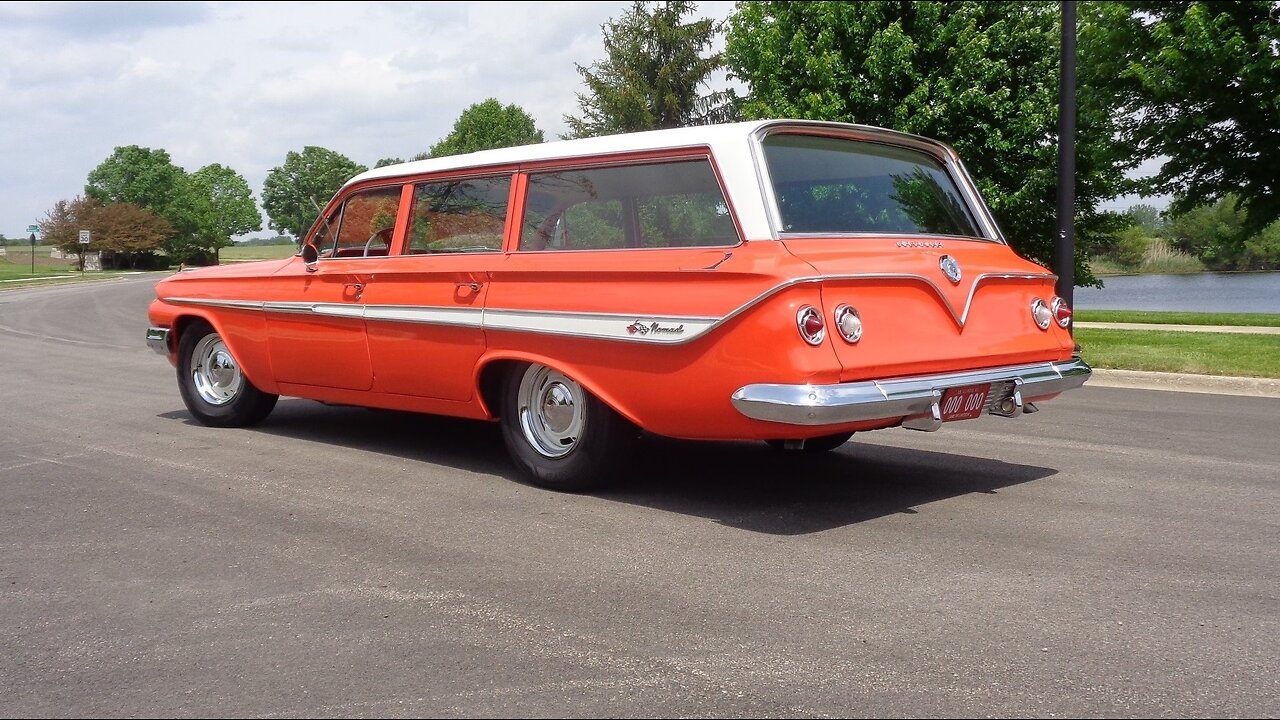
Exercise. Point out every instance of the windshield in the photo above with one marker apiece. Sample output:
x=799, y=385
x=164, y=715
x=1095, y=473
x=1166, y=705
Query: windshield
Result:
x=834, y=185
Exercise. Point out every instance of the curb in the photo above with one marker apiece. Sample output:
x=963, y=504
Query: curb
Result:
x=1179, y=382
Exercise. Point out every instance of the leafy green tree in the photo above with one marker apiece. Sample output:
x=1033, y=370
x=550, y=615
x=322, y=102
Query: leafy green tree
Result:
x=387, y=161
x=225, y=207
x=1262, y=251
x=1213, y=233
x=487, y=125
x=138, y=175
x=652, y=77
x=294, y=193
x=980, y=76
x=1146, y=217
x=1199, y=83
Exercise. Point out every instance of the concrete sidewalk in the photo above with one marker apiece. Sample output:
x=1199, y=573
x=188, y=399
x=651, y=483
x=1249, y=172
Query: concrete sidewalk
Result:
x=1185, y=382
x=1248, y=329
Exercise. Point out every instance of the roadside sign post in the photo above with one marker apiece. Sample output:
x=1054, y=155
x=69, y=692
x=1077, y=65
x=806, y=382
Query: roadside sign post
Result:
x=84, y=240
x=32, y=230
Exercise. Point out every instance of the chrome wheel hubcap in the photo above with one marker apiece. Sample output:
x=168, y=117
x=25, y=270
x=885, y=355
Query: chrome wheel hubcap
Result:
x=214, y=372
x=551, y=409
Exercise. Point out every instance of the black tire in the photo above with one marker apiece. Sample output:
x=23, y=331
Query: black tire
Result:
x=559, y=435
x=822, y=443
x=213, y=387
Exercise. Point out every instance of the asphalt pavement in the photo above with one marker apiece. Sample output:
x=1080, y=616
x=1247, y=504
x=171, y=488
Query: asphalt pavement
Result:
x=1112, y=555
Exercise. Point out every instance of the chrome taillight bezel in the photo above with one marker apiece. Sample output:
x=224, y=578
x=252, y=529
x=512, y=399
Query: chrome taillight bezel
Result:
x=1040, y=314
x=848, y=323
x=803, y=314
x=1056, y=309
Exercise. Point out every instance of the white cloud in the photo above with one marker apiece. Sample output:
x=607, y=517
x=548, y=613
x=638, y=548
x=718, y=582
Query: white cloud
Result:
x=244, y=83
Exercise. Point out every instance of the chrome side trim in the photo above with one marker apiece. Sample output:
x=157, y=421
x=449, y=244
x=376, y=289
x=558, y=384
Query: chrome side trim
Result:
x=599, y=326
x=214, y=302
x=650, y=329
x=899, y=397
x=422, y=315
x=158, y=340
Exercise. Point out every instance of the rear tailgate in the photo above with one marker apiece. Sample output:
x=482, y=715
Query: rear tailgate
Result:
x=917, y=320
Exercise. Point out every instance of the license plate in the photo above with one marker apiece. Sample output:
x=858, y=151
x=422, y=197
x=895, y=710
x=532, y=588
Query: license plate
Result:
x=964, y=403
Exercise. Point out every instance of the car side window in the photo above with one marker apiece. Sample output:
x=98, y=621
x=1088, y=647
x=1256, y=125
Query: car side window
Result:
x=459, y=215
x=652, y=205
x=367, y=222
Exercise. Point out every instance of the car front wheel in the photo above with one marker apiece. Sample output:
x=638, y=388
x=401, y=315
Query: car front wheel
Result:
x=212, y=384
x=561, y=436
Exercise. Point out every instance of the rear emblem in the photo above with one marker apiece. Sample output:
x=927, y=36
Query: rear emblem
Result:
x=950, y=268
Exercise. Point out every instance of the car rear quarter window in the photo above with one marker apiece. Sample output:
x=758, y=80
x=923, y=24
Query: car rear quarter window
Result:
x=647, y=205
x=828, y=185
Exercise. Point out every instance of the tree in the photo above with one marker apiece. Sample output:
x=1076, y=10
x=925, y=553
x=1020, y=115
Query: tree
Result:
x=225, y=207
x=1146, y=217
x=487, y=125
x=294, y=193
x=1199, y=83
x=127, y=231
x=388, y=161
x=63, y=222
x=1213, y=233
x=980, y=76
x=652, y=75
x=147, y=178
x=124, y=230
x=137, y=175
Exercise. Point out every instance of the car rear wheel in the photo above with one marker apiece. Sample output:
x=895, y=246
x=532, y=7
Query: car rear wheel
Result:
x=822, y=443
x=213, y=387
x=558, y=434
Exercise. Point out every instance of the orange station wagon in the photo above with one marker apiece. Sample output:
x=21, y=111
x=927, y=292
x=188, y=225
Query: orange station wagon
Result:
x=787, y=281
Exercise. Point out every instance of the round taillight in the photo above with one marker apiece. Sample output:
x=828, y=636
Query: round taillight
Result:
x=848, y=323
x=1061, y=312
x=812, y=328
x=1041, y=314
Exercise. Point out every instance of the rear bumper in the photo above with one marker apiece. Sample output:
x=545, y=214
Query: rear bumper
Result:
x=1012, y=390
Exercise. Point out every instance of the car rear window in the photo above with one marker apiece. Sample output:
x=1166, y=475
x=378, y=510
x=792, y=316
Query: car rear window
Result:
x=827, y=185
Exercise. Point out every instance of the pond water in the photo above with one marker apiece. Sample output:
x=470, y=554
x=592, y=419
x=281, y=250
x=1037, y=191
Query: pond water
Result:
x=1200, y=292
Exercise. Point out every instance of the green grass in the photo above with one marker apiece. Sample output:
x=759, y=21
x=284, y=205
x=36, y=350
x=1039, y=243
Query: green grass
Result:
x=1178, y=318
x=1203, y=353
x=256, y=252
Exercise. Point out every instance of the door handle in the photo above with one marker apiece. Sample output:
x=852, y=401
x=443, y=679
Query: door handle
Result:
x=354, y=289
x=473, y=286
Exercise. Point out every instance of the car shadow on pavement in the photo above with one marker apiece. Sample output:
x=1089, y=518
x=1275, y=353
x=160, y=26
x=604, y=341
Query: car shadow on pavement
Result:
x=752, y=486
x=747, y=485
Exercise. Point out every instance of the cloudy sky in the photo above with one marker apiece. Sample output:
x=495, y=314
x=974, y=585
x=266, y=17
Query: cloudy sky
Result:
x=242, y=84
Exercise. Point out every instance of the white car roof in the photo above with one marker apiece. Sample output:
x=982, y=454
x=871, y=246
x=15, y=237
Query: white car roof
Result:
x=731, y=144
x=727, y=136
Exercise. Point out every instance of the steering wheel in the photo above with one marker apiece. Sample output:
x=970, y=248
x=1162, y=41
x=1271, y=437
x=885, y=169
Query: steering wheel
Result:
x=384, y=235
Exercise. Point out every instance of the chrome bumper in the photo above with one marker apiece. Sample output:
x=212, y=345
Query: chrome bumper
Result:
x=1012, y=389
x=158, y=340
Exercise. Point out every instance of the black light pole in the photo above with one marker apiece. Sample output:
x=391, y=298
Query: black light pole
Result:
x=1065, y=247
x=33, y=254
